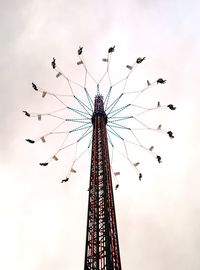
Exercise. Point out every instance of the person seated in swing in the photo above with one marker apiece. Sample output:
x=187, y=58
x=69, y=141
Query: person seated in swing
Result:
x=26, y=113
x=53, y=63
x=159, y=159
x=171, y=107
x=111, y=49
x=161, y=81
x=140, y=60
x=34, y=86
x=80, y=50
x=116, y=187
x=30, y=141
x=65, y=180
x=170, y=133
x=44, y=163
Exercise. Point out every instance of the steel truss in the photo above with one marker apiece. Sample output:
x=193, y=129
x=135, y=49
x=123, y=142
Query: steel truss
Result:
x=102, y=247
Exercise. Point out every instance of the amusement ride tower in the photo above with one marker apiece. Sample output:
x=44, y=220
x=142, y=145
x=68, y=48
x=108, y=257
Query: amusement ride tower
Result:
x=101, y=118
x=102, y=247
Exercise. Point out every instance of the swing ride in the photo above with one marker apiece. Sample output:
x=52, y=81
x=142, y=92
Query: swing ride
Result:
x=100, y=120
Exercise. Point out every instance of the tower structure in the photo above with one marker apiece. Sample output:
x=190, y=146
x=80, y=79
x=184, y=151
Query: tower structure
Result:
x=102, y=246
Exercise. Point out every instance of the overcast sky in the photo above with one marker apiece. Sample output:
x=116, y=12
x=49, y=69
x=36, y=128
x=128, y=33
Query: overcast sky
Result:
x=43, y=223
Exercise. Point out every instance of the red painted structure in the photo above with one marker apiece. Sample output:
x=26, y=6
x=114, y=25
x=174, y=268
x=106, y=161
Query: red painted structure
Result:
x=102, y=246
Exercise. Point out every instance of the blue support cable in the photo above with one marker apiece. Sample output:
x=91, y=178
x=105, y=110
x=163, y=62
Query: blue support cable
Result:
x=78, y=120
x=79, y=112
x=115, y=125
x=85, y=134
x=115, y=133
x=119, y=110
x=110, y=141
x=90, y=142
x=98, y=91
x=107, y=98
x=114, y=104
x=117, y=119
x=91, y=103
x=83, y=105
x=80, y=127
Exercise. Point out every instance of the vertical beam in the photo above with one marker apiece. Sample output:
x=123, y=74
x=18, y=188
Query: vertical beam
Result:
x=102, y=247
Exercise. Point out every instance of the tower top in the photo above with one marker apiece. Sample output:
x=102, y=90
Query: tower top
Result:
x=98, y=104
x=99, y=108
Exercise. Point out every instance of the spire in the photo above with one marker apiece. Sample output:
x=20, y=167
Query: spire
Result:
x=99, y=108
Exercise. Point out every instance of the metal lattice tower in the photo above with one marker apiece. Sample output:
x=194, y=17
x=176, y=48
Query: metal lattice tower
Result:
x=102, y=247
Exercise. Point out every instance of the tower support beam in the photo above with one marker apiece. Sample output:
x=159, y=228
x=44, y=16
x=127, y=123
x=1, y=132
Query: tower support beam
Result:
x=102, y=246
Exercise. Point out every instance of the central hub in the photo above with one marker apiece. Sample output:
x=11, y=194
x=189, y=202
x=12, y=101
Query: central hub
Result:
x=99, y=108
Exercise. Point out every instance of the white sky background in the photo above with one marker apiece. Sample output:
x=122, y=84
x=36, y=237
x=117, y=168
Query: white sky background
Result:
x=43, y=223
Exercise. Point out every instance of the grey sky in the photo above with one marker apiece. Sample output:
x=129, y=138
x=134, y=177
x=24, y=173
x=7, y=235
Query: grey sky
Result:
x=43, y=223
